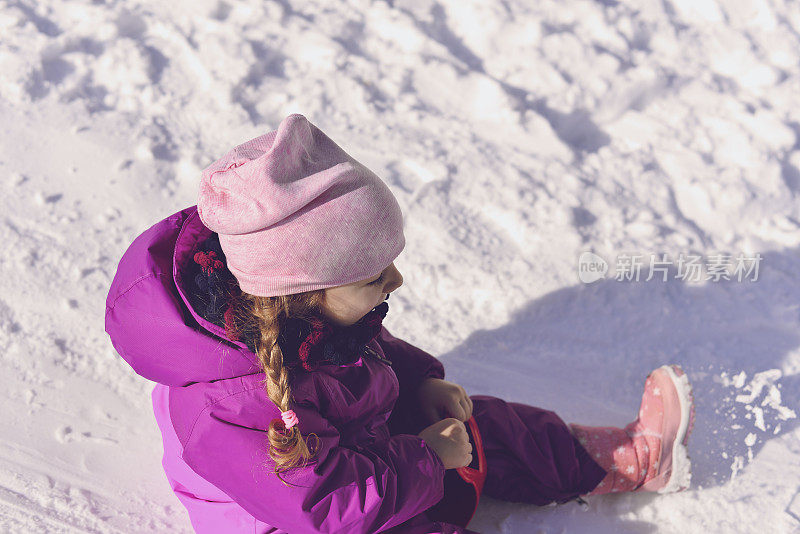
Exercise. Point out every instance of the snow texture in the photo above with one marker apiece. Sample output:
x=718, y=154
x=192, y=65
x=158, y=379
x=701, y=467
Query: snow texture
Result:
x=516, y=136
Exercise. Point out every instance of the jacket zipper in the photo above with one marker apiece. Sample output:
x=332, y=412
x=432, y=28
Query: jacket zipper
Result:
x=381, y=358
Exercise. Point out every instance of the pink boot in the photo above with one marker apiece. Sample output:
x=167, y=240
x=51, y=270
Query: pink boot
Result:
x=650, y=453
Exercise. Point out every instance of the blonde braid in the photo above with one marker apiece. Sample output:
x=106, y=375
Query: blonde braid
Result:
x=263, y=316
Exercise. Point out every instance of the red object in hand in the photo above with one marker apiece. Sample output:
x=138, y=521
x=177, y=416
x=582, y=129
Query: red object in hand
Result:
x=462, y=486
x=476, y=477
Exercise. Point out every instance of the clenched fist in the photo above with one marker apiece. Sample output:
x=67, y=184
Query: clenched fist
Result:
x=450, y=440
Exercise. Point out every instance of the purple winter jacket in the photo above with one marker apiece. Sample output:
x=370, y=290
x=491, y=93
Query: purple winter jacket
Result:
x=213, y=411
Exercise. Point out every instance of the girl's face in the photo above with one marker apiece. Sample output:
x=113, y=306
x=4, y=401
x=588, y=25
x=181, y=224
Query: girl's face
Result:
x=345, y=305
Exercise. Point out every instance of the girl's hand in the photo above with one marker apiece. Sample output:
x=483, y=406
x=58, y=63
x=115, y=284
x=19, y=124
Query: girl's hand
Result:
x=449, y=439
x=439, y=399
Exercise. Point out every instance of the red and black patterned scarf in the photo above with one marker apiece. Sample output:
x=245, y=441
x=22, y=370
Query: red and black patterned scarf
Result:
x=316, y=342
x=305, y=344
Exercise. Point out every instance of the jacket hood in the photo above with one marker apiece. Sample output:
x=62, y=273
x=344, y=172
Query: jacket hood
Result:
x=150, y=320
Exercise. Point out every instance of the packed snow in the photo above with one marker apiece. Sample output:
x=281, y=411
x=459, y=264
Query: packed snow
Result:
x=516, y=135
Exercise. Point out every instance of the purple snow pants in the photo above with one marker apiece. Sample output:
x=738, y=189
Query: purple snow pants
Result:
x=531, y=456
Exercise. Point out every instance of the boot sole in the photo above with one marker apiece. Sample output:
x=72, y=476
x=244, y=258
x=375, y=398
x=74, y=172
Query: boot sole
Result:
x=680, y=476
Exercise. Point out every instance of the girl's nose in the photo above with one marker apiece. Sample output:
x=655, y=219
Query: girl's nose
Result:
x=395, y=280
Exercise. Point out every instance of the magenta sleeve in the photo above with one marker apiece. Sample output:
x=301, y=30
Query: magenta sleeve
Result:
x=411, y=364
x=372, y=489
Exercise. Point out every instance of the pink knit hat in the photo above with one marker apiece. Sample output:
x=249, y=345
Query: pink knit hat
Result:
x=294, y=212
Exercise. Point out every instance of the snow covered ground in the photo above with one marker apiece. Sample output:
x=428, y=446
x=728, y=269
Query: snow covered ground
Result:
x=516, y=136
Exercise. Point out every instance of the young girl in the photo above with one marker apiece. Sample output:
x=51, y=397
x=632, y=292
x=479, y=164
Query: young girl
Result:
x=283, y=402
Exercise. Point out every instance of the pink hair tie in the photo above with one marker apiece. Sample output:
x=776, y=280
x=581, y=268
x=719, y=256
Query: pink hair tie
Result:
x=289, y=419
